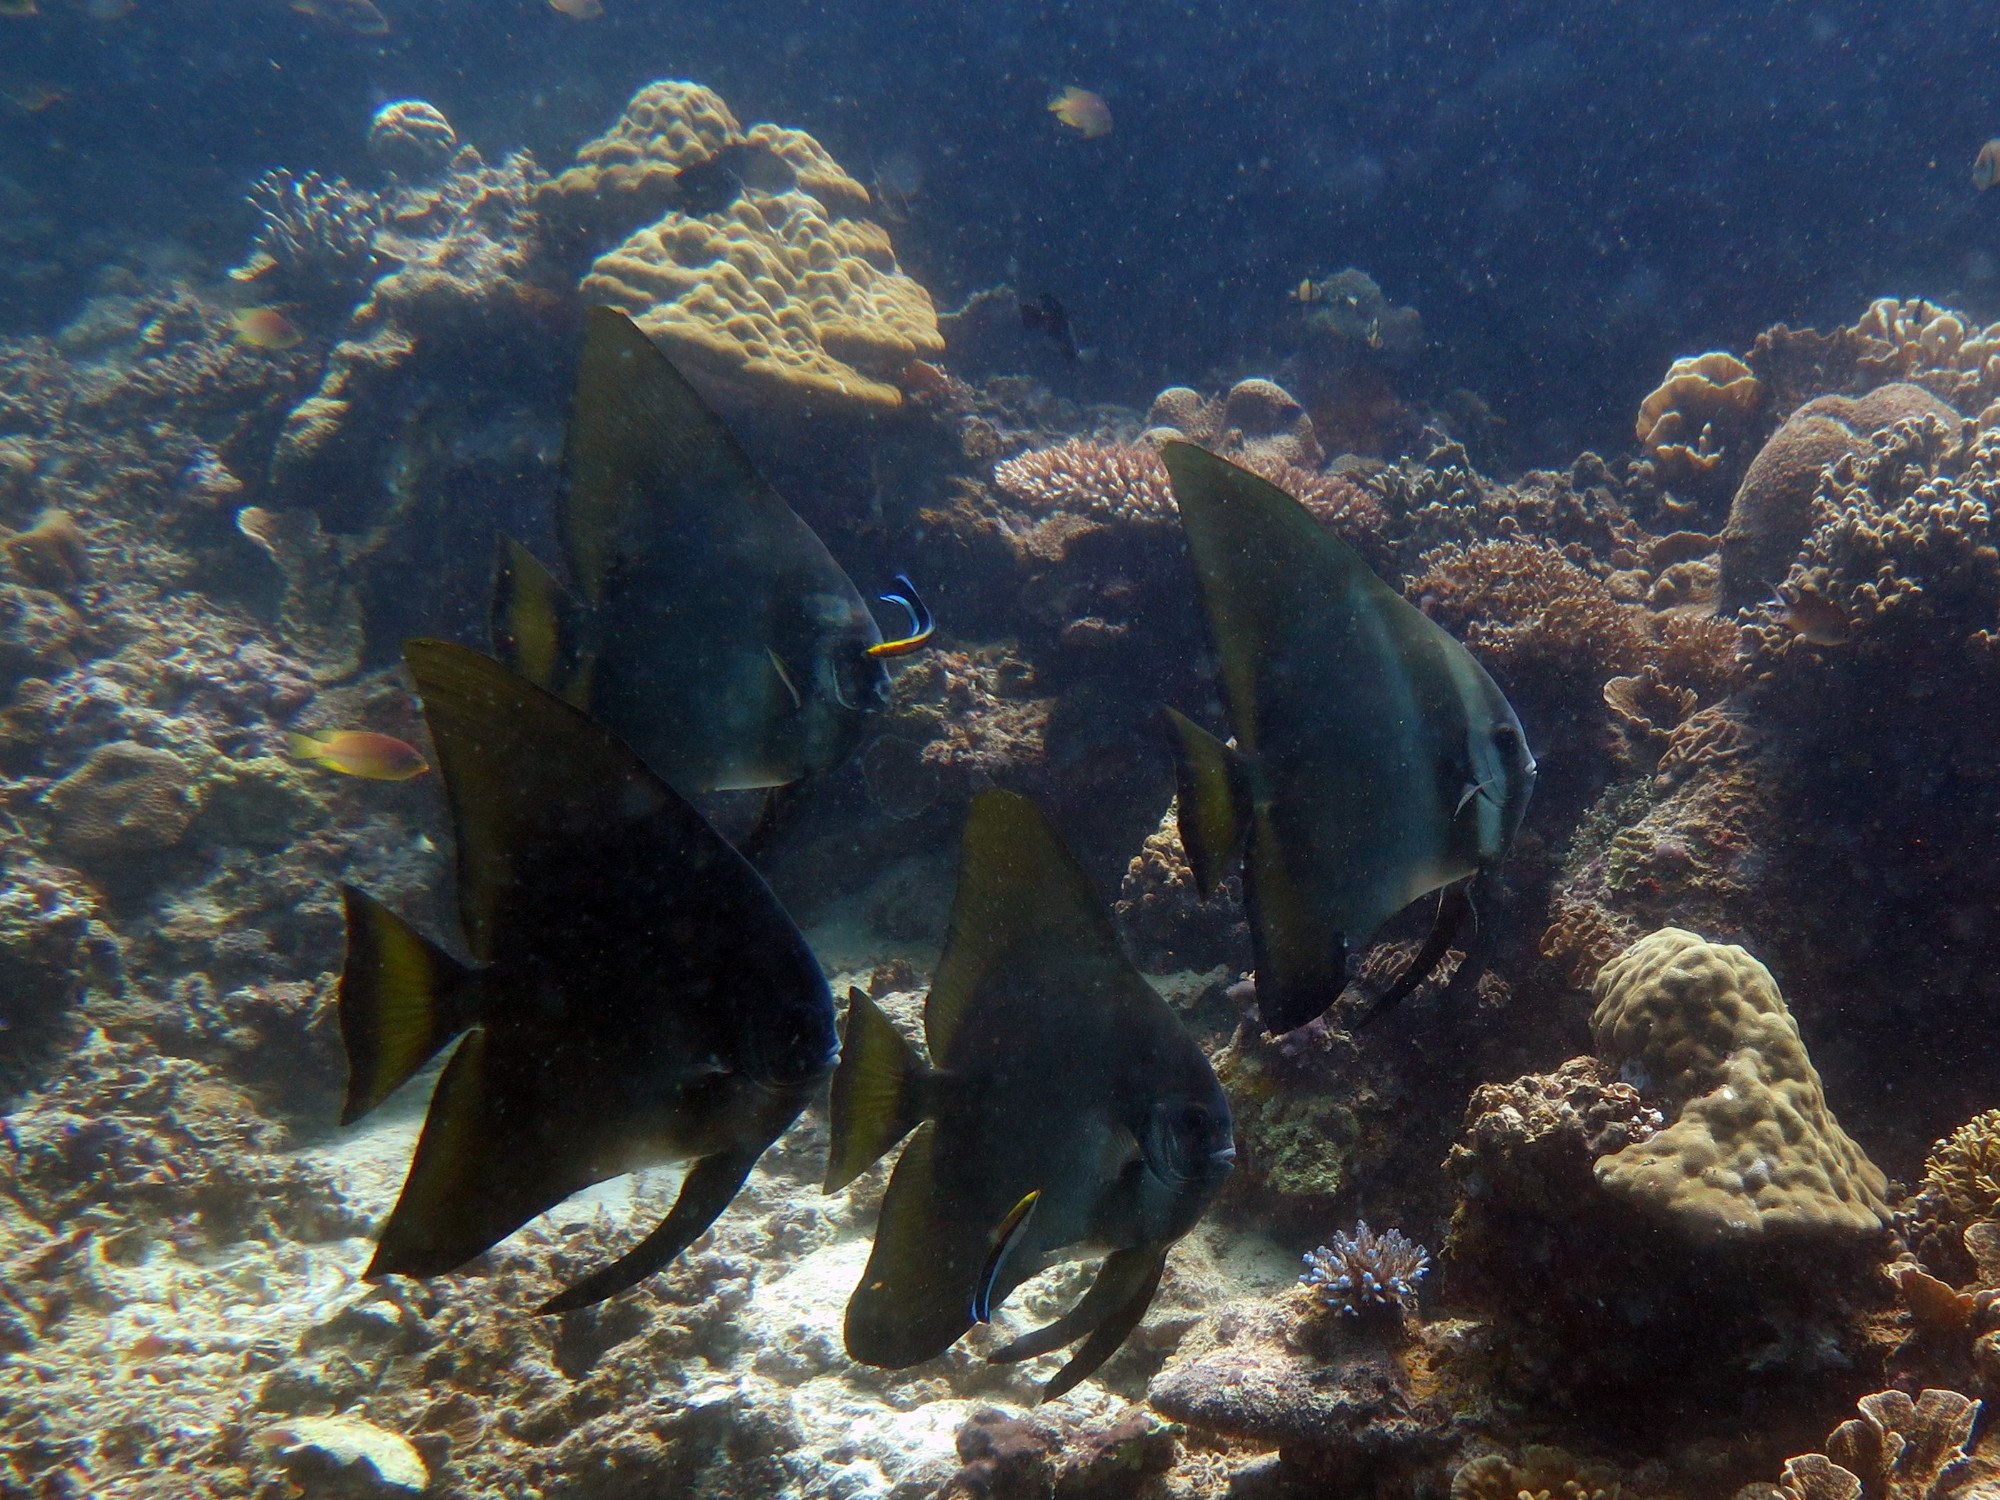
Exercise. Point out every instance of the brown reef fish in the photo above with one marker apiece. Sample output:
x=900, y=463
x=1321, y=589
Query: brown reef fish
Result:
x=1986, y=166
x=1375, y=761
x=715, y=634
x=1064, y=1109
x=637, y=994
x=359, y=752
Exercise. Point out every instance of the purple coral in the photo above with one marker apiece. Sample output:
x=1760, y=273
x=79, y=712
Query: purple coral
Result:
x=1365, y=1274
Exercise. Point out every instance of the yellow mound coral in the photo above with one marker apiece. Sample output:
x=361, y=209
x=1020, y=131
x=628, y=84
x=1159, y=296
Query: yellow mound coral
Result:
x=1687, y=423
x=1755, y=1150
x=780, y=293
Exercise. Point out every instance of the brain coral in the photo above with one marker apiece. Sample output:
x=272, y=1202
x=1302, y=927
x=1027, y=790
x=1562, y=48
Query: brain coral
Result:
x=1773, y=505
x=125, y=798
x=1688, y=423
x=1755, y=1150
x=780, y=293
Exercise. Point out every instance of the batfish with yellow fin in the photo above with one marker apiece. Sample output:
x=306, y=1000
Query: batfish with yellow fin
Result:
x=714, y=633
x=637, y=995
x=1064, y=1109
x=1375, y=761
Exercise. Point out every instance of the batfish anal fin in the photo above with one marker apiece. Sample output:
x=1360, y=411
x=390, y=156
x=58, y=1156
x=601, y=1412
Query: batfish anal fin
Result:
x=1212, y=804
x=785, y=677
x=1301, y=962
x=914, y=1300
x=400, y=1001
x=1454, y=909
x=1006, y=1238
x=535, y=626
x=876, y=1096
x=707, y=1190
x=1108, y=1313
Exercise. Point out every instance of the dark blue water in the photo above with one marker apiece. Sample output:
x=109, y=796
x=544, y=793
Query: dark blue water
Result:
x=1570, y=194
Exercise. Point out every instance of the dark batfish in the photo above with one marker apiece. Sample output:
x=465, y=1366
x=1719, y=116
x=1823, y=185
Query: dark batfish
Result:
x=715, y=635
x=710, y=185
x=638, y=995
x=1375, y=760
x=1046, y=315
x=1065, y=1108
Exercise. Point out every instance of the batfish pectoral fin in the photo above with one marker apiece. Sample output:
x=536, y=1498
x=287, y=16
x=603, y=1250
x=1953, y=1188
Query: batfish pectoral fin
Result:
x=876, y=1096
x=705, y=1192
x=1301, y=961
x=535, y=626
x=1108, y=1313
x=1455, y=909
x=914, y=1300
x=400, y=1001
x=1214, y=819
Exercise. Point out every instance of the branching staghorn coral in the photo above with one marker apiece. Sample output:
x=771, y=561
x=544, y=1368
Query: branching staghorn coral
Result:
x=315, y=235
x=1367, y=1275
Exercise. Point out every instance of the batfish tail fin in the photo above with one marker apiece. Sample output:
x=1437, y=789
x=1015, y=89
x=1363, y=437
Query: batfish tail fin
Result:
x=1214, y=812
x=877, y=1094
x=535, y=626
x=400, y=1002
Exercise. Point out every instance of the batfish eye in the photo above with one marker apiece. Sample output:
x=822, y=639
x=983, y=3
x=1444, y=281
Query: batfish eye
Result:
x=1506, y=738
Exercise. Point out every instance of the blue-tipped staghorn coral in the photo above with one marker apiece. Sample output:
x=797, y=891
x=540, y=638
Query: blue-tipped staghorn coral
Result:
x=1367, y=1275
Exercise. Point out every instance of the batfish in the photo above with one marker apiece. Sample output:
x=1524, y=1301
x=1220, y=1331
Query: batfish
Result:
x=715, y=634
x=637, y=994
x=1064, y=1108
x=1374, y=761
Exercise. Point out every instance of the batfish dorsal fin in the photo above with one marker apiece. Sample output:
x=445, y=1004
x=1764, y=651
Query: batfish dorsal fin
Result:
x=1020, y=894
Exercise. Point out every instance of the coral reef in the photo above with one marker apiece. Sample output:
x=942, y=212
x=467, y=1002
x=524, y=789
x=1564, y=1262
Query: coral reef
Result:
x=1960, y=1188
x=1773, y=506
x=1691, y=426
x=125, y=799
x=1754, y=1149
x=1899, y=1448
x=314, y=239
x=1367, y=1275
x=412, y=138
x=1165, y=922
x=1111, y=482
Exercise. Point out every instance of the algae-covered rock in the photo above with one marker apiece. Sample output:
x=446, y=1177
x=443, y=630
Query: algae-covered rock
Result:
x=345, y=1458
x=263, y=802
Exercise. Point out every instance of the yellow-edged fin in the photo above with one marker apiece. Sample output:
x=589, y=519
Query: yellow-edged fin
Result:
x=875, y=1097
x=1213, y=820
x=1301, y=962
x=533, y=624
x=400, y=1001
x=309, y=748
x=912, y=1255
x=1012, y=1230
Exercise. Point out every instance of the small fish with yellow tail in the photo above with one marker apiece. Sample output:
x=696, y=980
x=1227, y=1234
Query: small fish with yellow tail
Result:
x=1986, y=166
x=358, y=752
x=1082, y=111
x=578, y=10
x=264, y=328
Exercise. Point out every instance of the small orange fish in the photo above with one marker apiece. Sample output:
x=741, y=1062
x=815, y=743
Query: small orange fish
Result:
x=1816, y=618
x=1986, y=166
x=358, y=16
x=356, y=752
x=1082, y=111
x=18, y=9
x=35, y=97
x=264, y=328
x=1306, y=291
x=578, y=10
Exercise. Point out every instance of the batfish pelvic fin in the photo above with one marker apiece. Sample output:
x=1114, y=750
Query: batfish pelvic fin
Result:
x=1374, y=760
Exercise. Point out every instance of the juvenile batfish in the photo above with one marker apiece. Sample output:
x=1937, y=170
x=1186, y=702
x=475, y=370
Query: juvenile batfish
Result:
x=378, y=757
x=715, y=634
x=264, y=328
x=1082, y=111
x=1986, y=166
x=1375, y=761
x=637, y=996
x=1064, y=1111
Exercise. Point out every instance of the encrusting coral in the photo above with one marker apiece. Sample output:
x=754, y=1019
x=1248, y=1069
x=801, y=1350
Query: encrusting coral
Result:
x=1754, y=1149
x=1691, y=424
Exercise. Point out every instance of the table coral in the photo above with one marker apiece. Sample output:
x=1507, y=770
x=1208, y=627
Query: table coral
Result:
x=1754, y=1149
x=1773, y=507
x=1690, y=426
